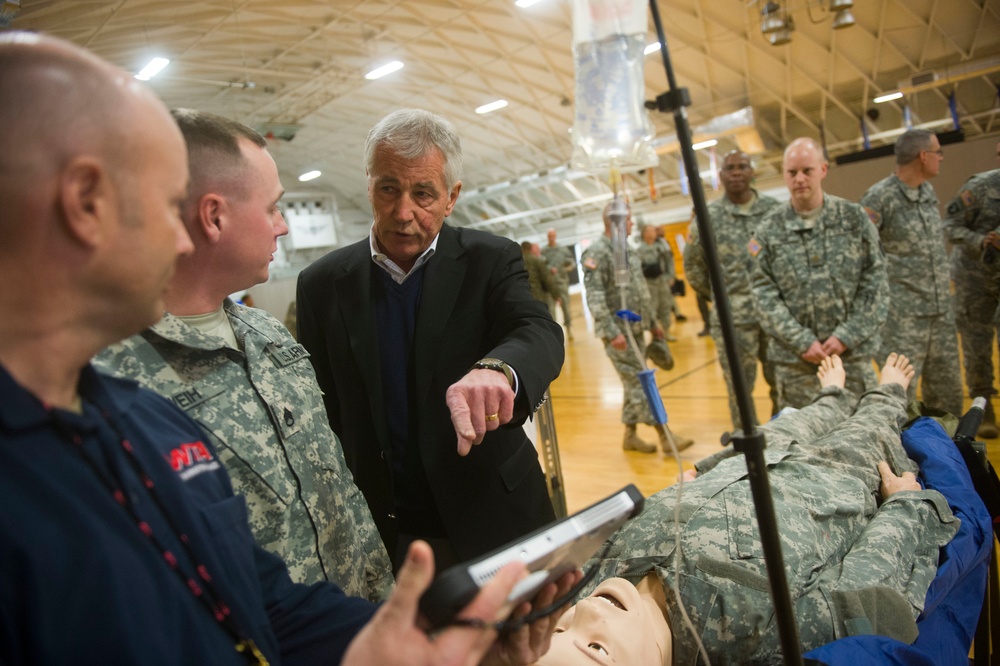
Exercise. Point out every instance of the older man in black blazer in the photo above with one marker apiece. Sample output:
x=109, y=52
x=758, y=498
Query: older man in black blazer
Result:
x=426, y=342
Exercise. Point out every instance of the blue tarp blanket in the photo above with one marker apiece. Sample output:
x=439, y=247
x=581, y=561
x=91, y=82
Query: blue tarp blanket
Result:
x=955, y=597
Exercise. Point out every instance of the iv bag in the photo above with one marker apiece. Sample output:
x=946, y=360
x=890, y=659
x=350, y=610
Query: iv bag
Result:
x=611, y=127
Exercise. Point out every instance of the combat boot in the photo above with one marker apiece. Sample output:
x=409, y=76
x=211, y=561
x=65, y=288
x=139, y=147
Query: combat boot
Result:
x=988, y=428
x=633, y=442
x=666, y=436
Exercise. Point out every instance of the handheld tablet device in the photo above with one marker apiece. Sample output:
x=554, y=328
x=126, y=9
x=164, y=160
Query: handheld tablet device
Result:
x=548, y=552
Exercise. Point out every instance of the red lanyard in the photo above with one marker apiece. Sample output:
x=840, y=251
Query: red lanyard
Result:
x=198, y=584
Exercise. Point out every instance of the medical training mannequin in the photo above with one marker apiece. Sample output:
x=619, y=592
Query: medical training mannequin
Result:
x=619, y=623
x=728, y=601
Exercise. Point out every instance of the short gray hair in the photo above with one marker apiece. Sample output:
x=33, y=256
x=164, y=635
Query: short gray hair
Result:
x=411, y=133
x=910, y=143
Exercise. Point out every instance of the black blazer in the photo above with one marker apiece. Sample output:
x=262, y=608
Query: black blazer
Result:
x=475, y=303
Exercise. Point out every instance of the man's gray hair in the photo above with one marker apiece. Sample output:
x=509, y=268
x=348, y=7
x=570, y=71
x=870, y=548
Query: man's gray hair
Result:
x=910, y=143
x=411, y=133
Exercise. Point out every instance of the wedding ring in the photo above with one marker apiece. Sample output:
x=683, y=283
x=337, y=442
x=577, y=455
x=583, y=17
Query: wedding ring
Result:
x=492, y=417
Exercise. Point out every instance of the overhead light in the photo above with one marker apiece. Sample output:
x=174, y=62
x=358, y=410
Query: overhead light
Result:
x=492, y=106
x=705, y=144
x=842, y=16
x=780, y=37
x=154, y=67
x=888, y=97
x=651, y=48
x=843, y=19
x=310, y=175
x=525, y=3
x=771, y=24
x=772, y=18
x=388, y=68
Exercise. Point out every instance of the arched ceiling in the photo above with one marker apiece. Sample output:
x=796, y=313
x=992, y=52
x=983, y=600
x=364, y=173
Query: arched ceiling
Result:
x=297, y=67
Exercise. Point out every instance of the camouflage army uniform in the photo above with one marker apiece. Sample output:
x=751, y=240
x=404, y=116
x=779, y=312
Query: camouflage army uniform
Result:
x=733, y=228
x=921, y=321
x=265, y=412
x=539, y=277
x=561, y=259
x=843, y=553
x=971, y=215
x=657, y=257
x=604, y=300
x=813, y=279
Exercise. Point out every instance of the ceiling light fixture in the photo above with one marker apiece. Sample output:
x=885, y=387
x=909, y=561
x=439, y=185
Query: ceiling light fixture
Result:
x=783, y=36
x=888, y=97
x=843, y=19
x=772, y=18
x=705, y=144
x=842, y=16
x=492, y=106
x=154, y=67
x=777, y=26
x=651, y=48
x=310, y=175
x=388, y=68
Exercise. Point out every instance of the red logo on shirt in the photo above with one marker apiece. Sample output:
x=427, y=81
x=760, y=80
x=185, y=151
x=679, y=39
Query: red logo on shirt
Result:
x=192, y=458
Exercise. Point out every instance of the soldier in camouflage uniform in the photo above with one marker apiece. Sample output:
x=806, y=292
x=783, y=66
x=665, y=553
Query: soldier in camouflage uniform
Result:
x=840, y=545
x=604, y=300
x=539, y=277
x=657, y=261
x=734, y=217
x=561, y=263
x=921, y=321
x=973, y=217
x=819, y=281
x=239, y=373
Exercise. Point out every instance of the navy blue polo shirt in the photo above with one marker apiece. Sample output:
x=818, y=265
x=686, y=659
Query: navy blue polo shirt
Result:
x=80, y=583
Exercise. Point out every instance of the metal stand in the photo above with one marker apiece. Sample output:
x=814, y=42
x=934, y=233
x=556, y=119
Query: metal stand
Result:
x=548, y=449
x=749, y=442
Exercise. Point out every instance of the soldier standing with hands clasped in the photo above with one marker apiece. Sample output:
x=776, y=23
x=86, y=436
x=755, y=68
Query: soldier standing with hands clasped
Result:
x=819, y=281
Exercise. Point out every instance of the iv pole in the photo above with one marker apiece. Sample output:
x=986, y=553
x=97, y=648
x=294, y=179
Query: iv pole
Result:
x=749, y=441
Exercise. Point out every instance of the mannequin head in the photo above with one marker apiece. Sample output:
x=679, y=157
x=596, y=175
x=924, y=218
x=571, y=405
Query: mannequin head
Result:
x=617, y=624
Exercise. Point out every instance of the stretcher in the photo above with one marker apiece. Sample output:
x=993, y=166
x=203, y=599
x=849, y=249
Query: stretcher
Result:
x=955, y=598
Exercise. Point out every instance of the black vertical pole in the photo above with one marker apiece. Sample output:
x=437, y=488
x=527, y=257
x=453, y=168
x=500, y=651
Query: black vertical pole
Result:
x=749, y=442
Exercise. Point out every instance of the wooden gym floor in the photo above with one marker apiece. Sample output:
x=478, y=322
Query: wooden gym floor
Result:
x=587, y=400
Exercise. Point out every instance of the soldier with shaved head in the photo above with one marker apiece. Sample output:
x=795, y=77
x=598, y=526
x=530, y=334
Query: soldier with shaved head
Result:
x=819, y=281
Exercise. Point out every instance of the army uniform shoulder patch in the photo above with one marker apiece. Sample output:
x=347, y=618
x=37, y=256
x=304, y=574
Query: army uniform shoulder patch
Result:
x=967, y=198
x=873, y=216
x=754, y=247
x=590, y=263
